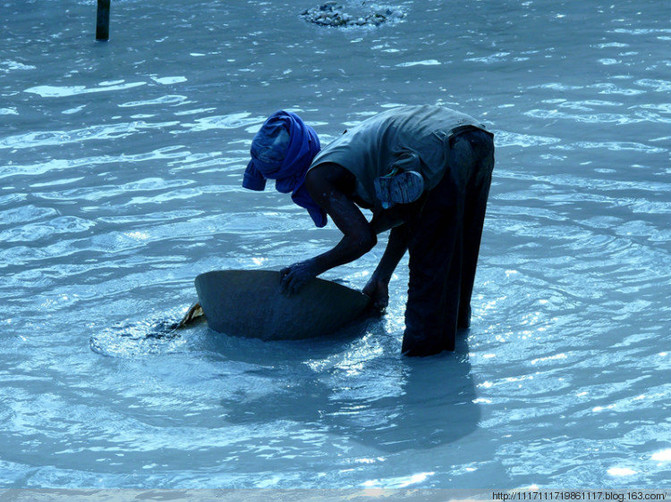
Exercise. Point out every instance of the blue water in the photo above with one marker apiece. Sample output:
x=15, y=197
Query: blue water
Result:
x=120, y=170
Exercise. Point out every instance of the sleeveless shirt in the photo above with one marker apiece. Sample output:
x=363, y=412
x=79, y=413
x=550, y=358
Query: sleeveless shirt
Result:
x=412, y=138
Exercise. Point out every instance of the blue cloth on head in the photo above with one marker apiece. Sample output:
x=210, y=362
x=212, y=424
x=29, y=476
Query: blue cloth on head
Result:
x=285, y=158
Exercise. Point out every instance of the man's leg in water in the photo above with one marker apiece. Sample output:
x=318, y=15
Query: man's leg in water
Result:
x=477, y=192
x=435, y=272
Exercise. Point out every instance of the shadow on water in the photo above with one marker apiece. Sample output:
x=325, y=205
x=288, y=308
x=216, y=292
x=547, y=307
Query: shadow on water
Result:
x=436, y=406
x=353, y=384
x=384, y=401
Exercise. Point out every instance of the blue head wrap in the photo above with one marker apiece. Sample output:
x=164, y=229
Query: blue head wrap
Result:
x=283, y=150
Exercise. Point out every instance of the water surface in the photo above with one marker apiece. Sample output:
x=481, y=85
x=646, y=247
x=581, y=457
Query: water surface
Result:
x=120, y=171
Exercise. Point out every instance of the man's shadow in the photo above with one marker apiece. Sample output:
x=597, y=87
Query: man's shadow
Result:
x=399, y=403
x=434, y=406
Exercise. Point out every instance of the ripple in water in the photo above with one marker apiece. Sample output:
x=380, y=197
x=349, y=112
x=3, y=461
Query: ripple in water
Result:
x=133, y=339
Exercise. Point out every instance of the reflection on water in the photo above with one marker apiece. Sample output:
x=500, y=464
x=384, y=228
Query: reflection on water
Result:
x=120, y=167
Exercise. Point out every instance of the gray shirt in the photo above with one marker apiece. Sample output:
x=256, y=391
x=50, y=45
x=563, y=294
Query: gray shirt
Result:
x=408, y=137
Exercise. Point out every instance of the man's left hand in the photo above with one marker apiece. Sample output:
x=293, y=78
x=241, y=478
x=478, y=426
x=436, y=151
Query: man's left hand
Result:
x=296, y=276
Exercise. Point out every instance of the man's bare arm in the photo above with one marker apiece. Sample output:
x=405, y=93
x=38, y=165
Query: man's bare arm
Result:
x=377, y=287
x=399, y=218
x=325, y=184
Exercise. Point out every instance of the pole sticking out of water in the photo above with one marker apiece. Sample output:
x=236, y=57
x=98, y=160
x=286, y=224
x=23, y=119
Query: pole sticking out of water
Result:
x=103, y=24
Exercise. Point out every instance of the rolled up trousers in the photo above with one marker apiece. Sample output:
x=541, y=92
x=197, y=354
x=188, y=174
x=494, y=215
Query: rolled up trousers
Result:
x=444, y=247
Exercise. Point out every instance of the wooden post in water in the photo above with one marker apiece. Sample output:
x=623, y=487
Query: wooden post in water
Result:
x=103, y=24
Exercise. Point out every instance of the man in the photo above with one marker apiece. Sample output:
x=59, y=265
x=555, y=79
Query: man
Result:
x=425, y=172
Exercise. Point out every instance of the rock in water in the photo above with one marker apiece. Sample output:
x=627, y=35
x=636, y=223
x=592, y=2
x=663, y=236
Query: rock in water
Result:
x=249, y=303
x=333, y=14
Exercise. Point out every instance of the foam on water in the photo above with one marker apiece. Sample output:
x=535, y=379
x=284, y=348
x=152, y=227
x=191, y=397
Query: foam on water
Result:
x=121, y=166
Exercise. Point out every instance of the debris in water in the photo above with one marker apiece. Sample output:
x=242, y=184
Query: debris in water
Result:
x=333, y=14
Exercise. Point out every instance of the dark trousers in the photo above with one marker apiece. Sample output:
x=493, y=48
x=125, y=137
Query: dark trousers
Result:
x=444, y=247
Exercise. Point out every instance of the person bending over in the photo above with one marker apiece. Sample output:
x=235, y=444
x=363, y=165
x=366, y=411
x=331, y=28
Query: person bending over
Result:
x=424, y=172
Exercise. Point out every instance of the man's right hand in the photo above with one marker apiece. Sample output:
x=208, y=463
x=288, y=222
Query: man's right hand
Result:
x=378, y=292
